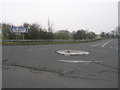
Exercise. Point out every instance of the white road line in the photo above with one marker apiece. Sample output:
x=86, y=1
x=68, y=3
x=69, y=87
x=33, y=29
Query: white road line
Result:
x=29, y=50
x=78, y=61
x=5, y=51
x=95, y=45
x=110, y=47
x=106, y=43
x=72, y=52
x=116, y=47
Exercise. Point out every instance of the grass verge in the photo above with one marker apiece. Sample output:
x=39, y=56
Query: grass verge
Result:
x=46, y=42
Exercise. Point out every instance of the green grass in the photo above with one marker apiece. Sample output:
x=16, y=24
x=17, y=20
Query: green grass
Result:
x=45, y=42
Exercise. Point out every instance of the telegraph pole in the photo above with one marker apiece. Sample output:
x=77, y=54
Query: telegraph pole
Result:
x=48, y=25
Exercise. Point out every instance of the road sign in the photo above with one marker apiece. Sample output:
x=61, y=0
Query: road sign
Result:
x=19, y=29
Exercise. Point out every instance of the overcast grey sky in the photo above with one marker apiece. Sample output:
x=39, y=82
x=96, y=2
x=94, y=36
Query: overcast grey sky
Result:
x=92, y=15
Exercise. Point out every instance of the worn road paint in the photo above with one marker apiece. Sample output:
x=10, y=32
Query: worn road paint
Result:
x=95, y=45
x=72, y=52
x=5, y=51
x=78, y=61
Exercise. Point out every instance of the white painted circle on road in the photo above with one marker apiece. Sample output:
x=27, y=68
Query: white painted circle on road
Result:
x=72, y=52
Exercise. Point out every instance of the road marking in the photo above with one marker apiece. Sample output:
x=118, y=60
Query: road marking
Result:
x=79, y=61
x=72, y=52
x=95, y=45
x=106, y=43
x=5, y=51
x=29, y=50
x=116, y=47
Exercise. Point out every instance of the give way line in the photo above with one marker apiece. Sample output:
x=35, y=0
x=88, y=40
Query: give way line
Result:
x=79, y=61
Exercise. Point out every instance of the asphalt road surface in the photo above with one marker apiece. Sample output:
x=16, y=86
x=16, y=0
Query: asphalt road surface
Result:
x=39, y=66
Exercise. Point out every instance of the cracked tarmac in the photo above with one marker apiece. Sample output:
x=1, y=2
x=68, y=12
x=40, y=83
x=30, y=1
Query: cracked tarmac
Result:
x=38, y=64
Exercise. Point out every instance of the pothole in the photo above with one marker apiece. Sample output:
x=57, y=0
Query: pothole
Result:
x=72, y=52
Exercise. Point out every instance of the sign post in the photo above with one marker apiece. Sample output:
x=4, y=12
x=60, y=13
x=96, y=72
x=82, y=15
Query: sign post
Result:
x=19, y=30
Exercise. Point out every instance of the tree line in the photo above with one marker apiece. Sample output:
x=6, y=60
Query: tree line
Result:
x=35, y=31
x=112, y=34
